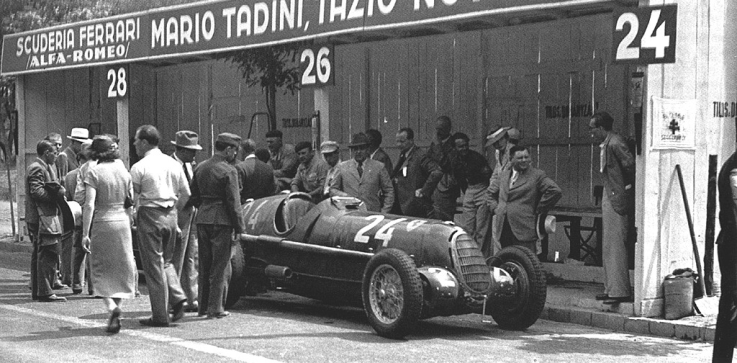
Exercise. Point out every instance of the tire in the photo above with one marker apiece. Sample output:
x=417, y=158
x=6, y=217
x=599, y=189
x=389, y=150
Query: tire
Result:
x=392, y=293
x=237, y=285
x=524, y=309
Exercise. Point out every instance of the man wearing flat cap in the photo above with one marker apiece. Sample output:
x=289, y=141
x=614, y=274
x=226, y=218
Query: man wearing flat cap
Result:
x=161, y=190
x=216, y=193
x=364, y=178
x=331, y=152
x=185, y=251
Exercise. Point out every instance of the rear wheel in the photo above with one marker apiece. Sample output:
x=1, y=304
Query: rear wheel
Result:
x=237, y=285
x=392, y=293
x=524, y=308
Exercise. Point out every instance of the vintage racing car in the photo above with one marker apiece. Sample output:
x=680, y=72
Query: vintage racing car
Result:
x=400, y=268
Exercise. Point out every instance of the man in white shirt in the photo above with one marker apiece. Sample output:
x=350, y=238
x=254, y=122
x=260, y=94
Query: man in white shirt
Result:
x=160, y=189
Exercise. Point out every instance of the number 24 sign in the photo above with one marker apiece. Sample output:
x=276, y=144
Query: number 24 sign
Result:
x=645, y=35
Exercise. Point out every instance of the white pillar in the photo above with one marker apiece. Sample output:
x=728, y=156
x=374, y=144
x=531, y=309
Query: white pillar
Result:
x=122, y=130
x=322, y=104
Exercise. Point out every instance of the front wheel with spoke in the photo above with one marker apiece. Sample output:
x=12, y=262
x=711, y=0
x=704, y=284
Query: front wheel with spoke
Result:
x=392, y=293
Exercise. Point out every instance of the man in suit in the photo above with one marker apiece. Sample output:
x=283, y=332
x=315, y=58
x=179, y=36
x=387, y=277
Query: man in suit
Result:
x=66, y=162
x=283, y=159
x=79, y=254
x=725, y=337
x=364, y=178
x=310, y=177
x=160, y=190
x=416, y=175
x=376, y=152
x=518, y=197
x=185, y=251
x=257, y=177
x=617, y=167
x=330, y=150
x=499, y=141
x=43, y=220
x=215, y=192
x=442, y=150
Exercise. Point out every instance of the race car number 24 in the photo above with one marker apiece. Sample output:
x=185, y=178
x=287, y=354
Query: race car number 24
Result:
x=385, y=232
x=645, y=35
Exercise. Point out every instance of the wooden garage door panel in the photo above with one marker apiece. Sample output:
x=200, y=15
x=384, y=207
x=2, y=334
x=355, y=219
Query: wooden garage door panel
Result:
x=554, y=89
x=388, y=84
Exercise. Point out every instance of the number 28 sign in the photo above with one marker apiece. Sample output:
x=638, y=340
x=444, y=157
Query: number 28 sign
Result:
x=645, y=35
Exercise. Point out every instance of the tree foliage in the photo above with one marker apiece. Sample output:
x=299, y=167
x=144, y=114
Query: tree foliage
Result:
x=270, y=68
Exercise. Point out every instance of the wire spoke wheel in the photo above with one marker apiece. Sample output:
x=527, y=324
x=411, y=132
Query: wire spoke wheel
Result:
x=530, y=288
x=386, y=294
x=392, y=293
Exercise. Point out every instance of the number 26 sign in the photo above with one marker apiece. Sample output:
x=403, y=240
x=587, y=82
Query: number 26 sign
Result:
x=645, y=35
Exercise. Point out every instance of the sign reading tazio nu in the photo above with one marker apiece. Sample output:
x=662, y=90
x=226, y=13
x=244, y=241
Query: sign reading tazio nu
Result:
x=214, y=26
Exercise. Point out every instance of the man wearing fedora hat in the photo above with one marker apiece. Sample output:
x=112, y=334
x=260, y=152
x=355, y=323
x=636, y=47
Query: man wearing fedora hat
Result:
x=67, y=160
x=518, y=196
x=216, y=192
x=185, y=250
x=364, y=178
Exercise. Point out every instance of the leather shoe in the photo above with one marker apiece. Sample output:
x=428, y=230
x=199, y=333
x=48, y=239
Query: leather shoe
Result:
x=192, y=308
x=51, y=298
x=113, y=324
x=178, y=311
x=602, y=296
x=58, y=286
x=218, y=315
x=151, y=322
x=617, y=300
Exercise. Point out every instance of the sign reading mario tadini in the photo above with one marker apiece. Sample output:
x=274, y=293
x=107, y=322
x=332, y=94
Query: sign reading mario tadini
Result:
x=208, y=27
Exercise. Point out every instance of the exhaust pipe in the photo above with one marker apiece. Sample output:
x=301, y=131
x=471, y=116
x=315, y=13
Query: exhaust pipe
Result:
x=279, y=272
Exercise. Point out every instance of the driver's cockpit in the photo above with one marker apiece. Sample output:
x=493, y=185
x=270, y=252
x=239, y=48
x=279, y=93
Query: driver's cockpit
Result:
x=298, y=207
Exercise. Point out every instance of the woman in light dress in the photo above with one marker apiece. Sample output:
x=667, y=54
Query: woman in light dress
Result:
x=106, y=228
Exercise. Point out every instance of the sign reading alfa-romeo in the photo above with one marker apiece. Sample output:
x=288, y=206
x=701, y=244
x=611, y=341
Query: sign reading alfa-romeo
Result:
x=208, y=27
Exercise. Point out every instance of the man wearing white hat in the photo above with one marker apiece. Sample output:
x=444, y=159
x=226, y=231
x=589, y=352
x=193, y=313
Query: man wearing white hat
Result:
x=67, y=160
x=185, y=250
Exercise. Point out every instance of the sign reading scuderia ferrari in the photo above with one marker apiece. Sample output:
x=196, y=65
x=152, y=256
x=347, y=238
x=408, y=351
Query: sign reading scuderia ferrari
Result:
x=213, y=26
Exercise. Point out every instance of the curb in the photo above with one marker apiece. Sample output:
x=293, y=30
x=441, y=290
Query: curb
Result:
x=8, y=245
x=686, y=330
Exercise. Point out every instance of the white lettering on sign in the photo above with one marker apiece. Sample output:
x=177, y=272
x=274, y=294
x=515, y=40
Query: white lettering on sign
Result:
x=655, y=45
x=183, y=30
x=118, y=82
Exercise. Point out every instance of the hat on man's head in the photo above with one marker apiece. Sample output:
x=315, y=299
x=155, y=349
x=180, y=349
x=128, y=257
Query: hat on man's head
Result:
x=359, y=140
x=545, y=225
x=229, y=139
x=187, y=139
x=496, y=134
x=328, y=147
x=79, y=134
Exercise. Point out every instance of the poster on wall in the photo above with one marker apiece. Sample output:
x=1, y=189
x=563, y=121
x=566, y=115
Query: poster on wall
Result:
x=674, y=123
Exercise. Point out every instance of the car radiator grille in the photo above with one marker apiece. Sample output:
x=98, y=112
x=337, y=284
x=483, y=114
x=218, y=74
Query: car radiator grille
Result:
x=471, y=264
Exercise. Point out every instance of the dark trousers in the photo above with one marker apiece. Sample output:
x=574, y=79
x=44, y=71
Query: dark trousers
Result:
x=508, y=239
x=216, y=250
x=66, y=268
x=78, y=261
x=157, y=234
x=444, y=205
x=725, y=337
x=43, y=264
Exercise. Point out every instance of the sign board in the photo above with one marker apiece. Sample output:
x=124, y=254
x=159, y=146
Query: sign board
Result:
x=645, y=35
x=117, y=80
x=674, y=123
x=316, y=66
x=222, y=25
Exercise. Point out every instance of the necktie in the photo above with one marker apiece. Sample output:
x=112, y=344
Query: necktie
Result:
x=513, y=178
x=186, y=173
x=398, y=167
x=360, y=170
